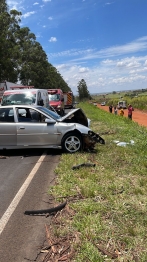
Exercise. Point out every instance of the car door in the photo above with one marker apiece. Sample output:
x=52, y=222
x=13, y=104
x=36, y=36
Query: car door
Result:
x=7, y=128
x=32, y=130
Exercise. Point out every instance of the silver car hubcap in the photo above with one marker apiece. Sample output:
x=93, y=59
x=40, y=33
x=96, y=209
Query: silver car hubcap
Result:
x=72, y=143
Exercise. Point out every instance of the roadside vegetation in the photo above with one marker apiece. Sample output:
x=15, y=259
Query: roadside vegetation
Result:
x=138, y=98
x=106, y=211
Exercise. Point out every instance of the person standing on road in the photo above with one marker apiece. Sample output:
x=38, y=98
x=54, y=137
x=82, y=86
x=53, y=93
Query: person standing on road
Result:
x=130, y=110
x=110, y=108
x=115, y=110
x=121, y=113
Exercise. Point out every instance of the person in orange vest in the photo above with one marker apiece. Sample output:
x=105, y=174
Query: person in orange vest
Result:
x=121, y=113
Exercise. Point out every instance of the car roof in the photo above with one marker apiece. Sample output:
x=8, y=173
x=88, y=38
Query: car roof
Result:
x=23, y=90
x=27, y=106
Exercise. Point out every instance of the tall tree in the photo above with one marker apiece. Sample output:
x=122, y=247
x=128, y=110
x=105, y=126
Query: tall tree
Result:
x=55, y=80
x=8, y=26
x=83, y=92
x=4, y=25
x=22, y=57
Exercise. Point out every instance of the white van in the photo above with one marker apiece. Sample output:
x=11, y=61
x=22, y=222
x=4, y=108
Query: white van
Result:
x=26, y=97
x=122, y=104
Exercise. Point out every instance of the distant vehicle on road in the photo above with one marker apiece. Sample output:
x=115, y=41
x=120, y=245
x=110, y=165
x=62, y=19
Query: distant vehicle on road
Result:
x=68, y=99
x=122, y=104
x=103, y=103
x=56, y=100
x=26, y=97
x=5, y=85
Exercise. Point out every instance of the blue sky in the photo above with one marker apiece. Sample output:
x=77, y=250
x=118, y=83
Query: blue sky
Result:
x=103, y=42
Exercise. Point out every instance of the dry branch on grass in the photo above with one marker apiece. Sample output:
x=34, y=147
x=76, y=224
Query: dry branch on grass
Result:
x=59, y=246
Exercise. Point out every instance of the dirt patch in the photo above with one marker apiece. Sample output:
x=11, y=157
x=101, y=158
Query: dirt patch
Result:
x=138, y=116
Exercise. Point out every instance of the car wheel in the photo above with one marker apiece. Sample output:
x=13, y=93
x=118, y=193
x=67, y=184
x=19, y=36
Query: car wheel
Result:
x=72, y=143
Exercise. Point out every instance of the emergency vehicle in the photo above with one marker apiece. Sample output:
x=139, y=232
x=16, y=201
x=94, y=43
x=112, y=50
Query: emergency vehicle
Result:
x=5, y=85
x=68, y=100
x=56, y=100
x=24, y=96
x=122, y=104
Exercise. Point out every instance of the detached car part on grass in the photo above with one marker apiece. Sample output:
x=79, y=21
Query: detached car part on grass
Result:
x=24, y=126
x=46, y=211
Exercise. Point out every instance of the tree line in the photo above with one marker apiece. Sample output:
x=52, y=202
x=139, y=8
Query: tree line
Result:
x=22, y=58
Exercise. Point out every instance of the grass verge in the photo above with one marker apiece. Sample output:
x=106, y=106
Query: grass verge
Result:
x=108, y=201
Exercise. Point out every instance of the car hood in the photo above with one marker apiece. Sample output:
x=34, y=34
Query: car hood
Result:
x=75, y=116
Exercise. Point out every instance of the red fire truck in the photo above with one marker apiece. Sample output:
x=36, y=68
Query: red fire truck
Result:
x=56, y=100
x=68, y=99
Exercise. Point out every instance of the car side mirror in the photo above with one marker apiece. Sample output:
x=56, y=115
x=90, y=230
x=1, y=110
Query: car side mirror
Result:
x=50, y=121
x=62, y=100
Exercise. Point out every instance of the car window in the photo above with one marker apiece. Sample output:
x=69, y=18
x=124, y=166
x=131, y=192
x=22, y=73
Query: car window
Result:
x=50, y=113
x=30, y=115
x=18, y=99
x=55, y=97
x=6, y=115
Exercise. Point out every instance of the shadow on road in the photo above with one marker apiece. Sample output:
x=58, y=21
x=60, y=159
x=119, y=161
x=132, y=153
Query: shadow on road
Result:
x=28, y=152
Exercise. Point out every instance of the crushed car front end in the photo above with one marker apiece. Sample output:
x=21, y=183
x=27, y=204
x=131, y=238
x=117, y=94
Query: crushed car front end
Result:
x=91, y=139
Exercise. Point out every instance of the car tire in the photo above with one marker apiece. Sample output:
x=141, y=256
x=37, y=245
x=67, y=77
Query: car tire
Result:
x=72, y=143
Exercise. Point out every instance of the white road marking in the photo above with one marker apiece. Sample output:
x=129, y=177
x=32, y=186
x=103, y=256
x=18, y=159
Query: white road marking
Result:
x=6, y=216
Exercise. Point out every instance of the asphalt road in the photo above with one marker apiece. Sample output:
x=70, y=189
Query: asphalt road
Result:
x=25, y=178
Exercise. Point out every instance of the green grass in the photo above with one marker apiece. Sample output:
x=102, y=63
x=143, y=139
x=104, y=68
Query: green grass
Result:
x=137, y=99
x=110, y=199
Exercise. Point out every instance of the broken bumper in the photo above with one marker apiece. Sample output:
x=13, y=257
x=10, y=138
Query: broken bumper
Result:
x=91, y=139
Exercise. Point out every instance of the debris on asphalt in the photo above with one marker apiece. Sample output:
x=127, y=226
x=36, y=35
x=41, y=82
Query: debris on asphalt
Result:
x=24, y=156
x=84, y=164
x=3, y=157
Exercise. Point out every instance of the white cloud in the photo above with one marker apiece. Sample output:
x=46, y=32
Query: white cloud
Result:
x=140, y=70
x=138, y=45
x=38, y=35
x=14, y=4
x=45, y=1
x=108, y=3
x=72, y=52
x=53, y=39
x=107, y=75
x=130, y=64
x=83, y=70
x=63, y=66
x=28, y=14
x=36, y=3
x=133, y=64
x=50, y=18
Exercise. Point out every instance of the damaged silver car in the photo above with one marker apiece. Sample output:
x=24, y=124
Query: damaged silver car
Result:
x=23, y=126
